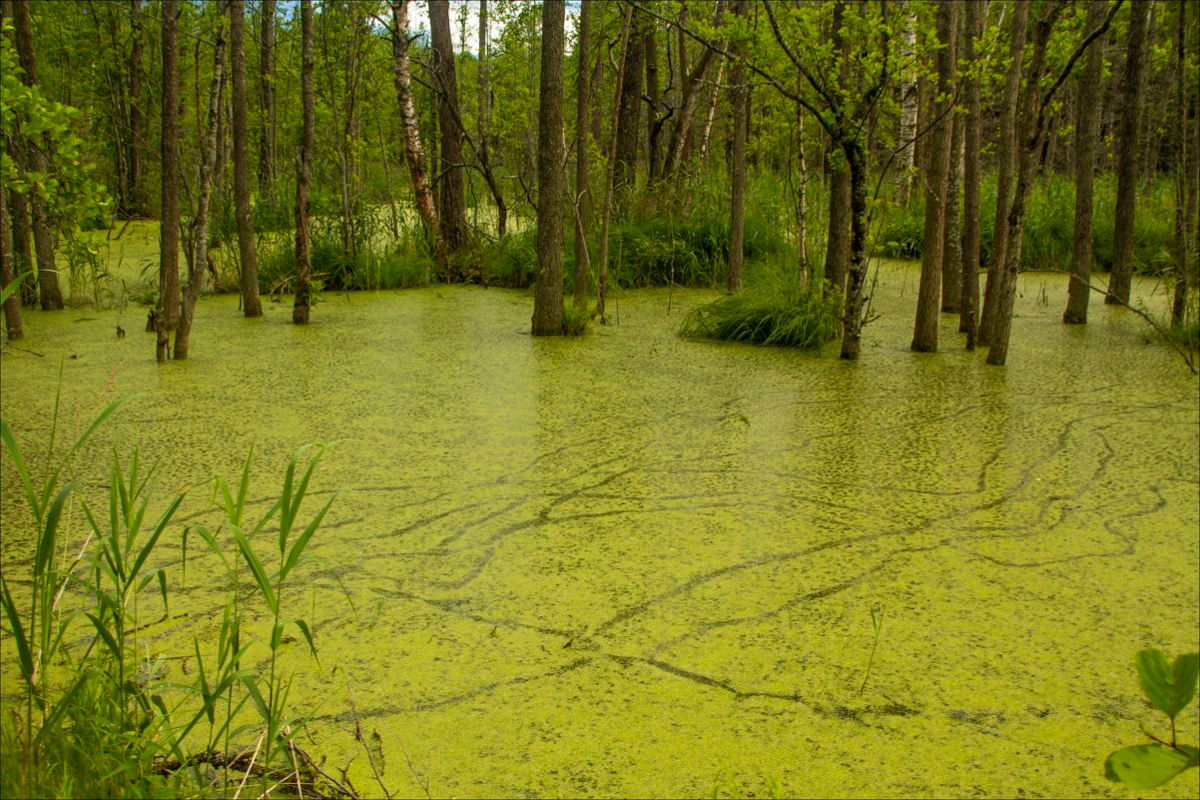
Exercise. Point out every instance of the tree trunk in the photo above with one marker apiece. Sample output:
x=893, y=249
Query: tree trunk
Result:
x=713, y=94
x=692, y=89
x=1030, y=147
x=582, y=191
x=43, y=240
x=1087, y=131
x=1127, y=155
x=1186, y=179
x=209, y=166
x=654, y=95
x=837, y=243
x=300, y=306
x=857, y=279
x=266, y=88
x=952, y=235
x=628, y=121
x=12, y=304
x=412, y=133
x=972, y=127
x=1008, y=154
x=937, y=165
x=908, y=108
x=548, y=299
x=137, y=206
x=166, y=315
x=485, y=123
x=251, y=304
x=737, y=216
x=452, y=206
x=610, y=170
x=802, y=265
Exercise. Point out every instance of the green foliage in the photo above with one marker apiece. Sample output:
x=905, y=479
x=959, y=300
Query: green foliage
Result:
x=726, y=784
x=96, y=718
x=1170, y=687
x=1050, y=226
x=511, y=261
x=575, y=320
x=71, y=196
x=771, y=313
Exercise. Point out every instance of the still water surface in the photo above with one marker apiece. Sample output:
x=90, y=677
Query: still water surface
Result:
x=629, y=564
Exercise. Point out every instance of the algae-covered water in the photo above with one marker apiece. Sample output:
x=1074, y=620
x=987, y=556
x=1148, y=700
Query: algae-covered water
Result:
x=630, y=564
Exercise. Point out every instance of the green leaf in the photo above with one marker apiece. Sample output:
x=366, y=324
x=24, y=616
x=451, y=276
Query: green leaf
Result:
x=302, y=540
x=303, y=626
x=1145, y=766
x=1169, y=687
x=24, y=652
x=14, y=452
x=256, y=567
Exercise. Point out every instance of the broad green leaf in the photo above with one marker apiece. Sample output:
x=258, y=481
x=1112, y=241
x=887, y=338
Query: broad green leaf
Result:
x=1145, y=766
x=1169, y=687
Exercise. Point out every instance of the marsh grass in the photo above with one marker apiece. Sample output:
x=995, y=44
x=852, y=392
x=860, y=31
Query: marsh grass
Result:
x=97, y=716
x=771, y=311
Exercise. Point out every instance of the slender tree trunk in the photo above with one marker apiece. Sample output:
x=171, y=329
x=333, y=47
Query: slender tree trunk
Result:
x=1186, y=178
x=654, y=95
x=452, y=208
x=300, y=306
x=166, y=315
x=12, y=304
x=266, y=88
x=43, y=240
x=925, y=330
x=837, y=243
x=1008, y=155
x=692, y=89
x=485, y=123
x=908, y=107
x=713, y=95
x=1027, y=163
x=548, y=299
x=631, y=106
x=1087, y=131
x=952, y=236
x=737, y=217
x=972, y=128
x=251, y=304
x=802, y=265
x=208, y=168
x=582, y=191
x=1120, y=280
x=856, y=281
x=137, y=203
x=412, y=133
x=602, y=282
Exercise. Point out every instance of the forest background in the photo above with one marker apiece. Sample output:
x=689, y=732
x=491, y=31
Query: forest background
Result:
x=692, y=138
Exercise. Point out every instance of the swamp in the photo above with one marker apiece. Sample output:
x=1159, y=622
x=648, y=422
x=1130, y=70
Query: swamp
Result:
x=634, y=564
x=618, y=398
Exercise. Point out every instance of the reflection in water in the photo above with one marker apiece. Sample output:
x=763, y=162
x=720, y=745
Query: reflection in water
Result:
x=621, y=564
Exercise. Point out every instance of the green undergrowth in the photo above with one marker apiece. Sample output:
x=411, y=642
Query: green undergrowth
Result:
x=95, y=712
x=771, y=311
x=1050, y=225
